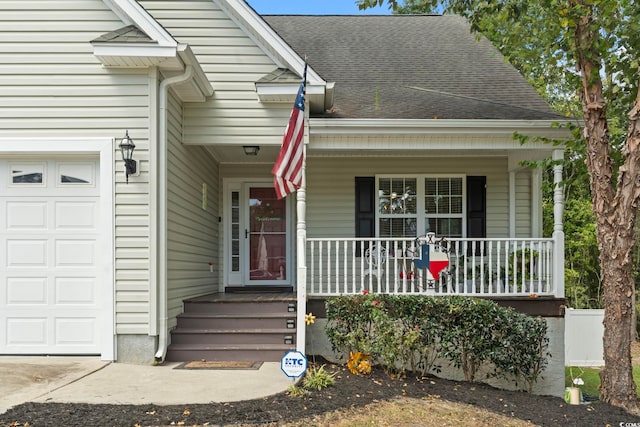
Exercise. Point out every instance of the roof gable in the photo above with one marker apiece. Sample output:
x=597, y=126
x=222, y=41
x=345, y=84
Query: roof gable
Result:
x=143, y=42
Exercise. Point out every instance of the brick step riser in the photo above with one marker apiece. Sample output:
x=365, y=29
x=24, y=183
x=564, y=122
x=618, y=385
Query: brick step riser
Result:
x=208, y=322
x=237, y=307
x=226, y=355
x=231, y=338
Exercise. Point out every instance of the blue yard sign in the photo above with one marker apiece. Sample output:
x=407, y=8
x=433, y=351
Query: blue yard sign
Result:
x=294, y=364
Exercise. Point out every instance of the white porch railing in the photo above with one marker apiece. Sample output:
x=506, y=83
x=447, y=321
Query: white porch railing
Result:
x=477, y=267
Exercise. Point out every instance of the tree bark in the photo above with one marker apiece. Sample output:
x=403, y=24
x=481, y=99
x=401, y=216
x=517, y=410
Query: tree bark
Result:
x=616, y=238
x=615, y=213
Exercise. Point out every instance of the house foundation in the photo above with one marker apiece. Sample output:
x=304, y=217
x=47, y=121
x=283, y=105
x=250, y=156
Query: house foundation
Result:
x=136, y=349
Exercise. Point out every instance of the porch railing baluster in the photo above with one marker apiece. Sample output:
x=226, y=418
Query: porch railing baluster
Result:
x=488, y=267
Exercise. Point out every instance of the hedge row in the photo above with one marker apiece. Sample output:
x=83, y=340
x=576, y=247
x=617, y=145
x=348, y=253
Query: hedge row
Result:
x=403, y=332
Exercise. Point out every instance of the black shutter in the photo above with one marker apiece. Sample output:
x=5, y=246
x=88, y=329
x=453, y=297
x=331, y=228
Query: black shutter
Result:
x=365, y=212
x=476, y=208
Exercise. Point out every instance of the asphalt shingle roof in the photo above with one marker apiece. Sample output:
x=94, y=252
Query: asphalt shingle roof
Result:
x=411, y=67
x=128, y=34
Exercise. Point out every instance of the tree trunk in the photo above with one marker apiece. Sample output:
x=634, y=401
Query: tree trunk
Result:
x=616, y=238
x=616, y=379
x=634, y=315
x=615, y=212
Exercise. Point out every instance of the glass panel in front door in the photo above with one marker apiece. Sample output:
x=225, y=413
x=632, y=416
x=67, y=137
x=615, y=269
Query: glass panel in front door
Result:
x=267, y=235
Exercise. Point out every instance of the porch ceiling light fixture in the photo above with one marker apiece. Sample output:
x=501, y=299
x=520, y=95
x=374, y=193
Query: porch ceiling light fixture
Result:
x=251, y=150
x=126, y=147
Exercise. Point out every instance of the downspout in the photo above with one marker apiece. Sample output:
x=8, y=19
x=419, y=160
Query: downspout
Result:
x=162, y=208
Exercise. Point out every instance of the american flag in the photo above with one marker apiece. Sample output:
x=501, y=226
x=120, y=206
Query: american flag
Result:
x=287, y=170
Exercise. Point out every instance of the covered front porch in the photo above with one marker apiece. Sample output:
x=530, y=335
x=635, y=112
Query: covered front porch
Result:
x=499, y=262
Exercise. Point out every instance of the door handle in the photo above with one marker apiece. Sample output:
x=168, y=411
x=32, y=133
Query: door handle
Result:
x=246, y=233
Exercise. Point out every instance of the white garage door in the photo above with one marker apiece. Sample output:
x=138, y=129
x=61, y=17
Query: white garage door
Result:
x=49, y=243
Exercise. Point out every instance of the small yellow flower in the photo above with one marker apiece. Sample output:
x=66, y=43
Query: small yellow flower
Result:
x=309, y=319
x=359, y=363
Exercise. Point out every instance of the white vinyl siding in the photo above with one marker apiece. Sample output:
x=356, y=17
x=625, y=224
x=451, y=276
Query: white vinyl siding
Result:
x=331, y=188
x=192, y=227
x=52, y=86
x=233, y=62
x=523, y=204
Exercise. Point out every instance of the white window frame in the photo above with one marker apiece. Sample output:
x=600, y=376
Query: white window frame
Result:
x=420, y=214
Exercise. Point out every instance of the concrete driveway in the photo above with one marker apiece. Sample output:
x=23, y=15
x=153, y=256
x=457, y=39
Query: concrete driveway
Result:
x=27, y=378
x=91, y=380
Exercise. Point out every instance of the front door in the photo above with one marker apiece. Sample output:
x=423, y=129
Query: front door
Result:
x=258, y=236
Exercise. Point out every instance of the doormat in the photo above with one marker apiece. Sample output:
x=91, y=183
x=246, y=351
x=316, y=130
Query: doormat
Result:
x=203, y=364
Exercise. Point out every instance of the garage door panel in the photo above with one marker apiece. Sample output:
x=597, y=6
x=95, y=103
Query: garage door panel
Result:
x=75, y=253
x=75, y=331
x=22, y=290
x=27, y=331
x=26, y=253
x=26, y=215
x=76, y=215
x=76, y=290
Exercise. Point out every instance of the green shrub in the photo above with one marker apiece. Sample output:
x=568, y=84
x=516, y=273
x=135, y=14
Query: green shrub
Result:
x=352, y=323
x=401, y=331
x=524, y=353
x=467, y=333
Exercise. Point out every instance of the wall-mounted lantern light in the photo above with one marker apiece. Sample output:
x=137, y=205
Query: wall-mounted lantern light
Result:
x=126, y=147
x=251, y=150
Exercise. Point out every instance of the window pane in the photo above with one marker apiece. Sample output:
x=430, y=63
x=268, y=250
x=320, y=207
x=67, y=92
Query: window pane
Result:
x=409, y=196
x=398, y=227
x=443, y=186
x=27, y=173
x=410, y=228
x=385, y=227
x=455, y=227
x=430, y=205
x=456, y=205
x=397, y=196
x=430, y=225
x=456, y=186
x=444, y=227
x=75, y=173
x=384, y=196
x=444, y=205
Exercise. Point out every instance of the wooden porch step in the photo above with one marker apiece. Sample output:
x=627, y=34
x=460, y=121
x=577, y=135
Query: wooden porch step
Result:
x=240, y=307
x=228, y=352
x=233, y=336
x=237, y=320
x=228, y=327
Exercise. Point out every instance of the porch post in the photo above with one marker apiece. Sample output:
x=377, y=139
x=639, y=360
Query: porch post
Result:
x=301, y=247
x=558, y=232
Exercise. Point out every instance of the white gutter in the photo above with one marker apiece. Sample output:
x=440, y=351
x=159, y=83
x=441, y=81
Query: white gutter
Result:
x=162, y=208
x=321, y=126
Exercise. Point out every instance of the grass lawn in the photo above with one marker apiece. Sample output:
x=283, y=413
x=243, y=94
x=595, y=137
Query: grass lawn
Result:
x=591, y=376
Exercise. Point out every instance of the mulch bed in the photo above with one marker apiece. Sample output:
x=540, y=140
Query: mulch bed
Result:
x=348, y=391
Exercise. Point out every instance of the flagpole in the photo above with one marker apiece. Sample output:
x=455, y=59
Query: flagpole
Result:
x=301, y=232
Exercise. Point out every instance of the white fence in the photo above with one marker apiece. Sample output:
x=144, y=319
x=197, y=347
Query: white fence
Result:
x=583, y=331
